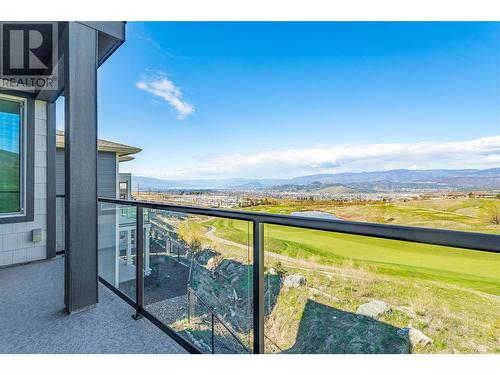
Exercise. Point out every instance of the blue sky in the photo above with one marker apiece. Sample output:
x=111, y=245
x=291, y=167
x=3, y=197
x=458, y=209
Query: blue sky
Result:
x=286, y=99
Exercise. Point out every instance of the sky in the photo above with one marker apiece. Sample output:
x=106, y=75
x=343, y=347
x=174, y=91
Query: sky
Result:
x=285, y=99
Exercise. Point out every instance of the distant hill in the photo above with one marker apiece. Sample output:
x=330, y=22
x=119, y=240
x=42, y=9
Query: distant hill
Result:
x=336, y=189
x=8, y=159
x=397, y=179
x=144, y=183
x=9, y=171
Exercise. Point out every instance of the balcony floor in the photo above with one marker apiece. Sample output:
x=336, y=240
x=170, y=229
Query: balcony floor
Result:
x=32, y=319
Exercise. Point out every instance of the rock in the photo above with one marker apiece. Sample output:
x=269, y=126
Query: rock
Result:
x=234, y=281
x=212, y=263
x=416, y=337
x=373, y=309
x=294, y=281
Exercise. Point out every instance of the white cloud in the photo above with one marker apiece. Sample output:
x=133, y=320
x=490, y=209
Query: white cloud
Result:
x=477, y=153
x=160, y=86
x=149, y=40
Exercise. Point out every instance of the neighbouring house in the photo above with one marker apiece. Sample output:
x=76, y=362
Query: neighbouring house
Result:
x=482, y=194
x=117, y=227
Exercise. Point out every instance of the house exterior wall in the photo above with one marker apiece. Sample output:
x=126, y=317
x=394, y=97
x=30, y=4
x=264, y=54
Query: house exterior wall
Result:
x=107, y=170
x=16, y=245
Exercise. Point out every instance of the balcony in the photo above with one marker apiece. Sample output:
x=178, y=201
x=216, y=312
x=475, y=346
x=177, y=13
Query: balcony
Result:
x=33, y=318
x=220, y=281
x=226, y=281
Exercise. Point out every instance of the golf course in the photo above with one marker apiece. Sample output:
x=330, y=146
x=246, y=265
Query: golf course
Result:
x=452, y=295
x=467, y=268
x=473, y=269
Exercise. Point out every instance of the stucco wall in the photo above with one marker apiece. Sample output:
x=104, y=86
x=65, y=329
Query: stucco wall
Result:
x=16, y=244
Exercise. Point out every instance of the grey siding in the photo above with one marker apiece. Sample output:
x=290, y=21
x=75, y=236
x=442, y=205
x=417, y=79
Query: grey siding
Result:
x=106, y=187
x=106, y=174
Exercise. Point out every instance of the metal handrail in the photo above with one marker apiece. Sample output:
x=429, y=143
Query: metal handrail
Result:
x=442, y=237
x=214, y=315
x=467, y=240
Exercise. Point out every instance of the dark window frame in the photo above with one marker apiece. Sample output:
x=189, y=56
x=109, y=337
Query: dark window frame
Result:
x=28, y=188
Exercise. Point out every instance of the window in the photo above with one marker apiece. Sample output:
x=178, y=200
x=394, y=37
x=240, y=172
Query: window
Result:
x=123, y=187
x=12, y=157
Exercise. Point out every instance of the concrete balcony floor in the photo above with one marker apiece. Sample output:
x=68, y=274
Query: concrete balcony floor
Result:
x=32, y=319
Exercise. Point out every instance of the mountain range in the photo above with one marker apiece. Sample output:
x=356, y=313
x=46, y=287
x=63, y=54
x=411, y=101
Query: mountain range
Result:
x=390, y=180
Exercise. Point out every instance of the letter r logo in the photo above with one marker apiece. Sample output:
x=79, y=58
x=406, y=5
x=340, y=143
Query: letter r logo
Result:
x=27, y=49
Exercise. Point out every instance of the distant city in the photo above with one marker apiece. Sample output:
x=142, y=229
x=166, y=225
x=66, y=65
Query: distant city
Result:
x=401, y=184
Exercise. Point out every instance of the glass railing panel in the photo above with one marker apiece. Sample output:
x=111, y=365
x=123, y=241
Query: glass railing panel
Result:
x=339, y=293
x=117, y=246
x=199, y=283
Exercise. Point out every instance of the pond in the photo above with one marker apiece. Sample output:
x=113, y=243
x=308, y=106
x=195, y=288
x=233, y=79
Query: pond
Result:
x=316, y=214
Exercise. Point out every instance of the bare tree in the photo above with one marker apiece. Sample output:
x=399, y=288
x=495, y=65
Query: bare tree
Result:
x=492, y=214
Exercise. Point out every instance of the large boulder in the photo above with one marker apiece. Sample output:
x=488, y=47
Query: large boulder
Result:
x=211, y=263
x=416, y=337
x=294, y=281
x=373, y=309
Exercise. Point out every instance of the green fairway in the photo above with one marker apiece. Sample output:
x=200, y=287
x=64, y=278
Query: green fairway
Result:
x=472, y=269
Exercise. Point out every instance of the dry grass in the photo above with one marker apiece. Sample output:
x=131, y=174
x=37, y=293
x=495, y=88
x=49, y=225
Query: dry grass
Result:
x=456, y=319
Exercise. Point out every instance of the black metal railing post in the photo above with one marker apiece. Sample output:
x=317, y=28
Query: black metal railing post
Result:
x=258, y=287
x=139, y=262
x=213, y=334
x=188, y=295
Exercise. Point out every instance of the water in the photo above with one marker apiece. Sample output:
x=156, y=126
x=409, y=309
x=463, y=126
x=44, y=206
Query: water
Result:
x=315, y=214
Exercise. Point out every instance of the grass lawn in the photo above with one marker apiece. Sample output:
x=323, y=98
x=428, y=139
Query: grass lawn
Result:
x=474, y=269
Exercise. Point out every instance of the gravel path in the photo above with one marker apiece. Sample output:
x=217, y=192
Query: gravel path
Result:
x=169, y=311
